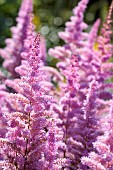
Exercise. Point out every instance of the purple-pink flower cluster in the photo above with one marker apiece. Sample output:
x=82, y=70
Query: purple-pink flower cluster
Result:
x=67, y=126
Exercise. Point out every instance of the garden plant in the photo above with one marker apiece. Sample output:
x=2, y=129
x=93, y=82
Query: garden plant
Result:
x=57, y=118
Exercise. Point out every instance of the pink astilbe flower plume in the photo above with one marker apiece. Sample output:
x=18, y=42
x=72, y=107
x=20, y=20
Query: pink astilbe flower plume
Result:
x=14, y=46
x=104, y=45
x=74, y=28
x=78, y=112
x=73, y=34
x=31, y=139
x=103, y=158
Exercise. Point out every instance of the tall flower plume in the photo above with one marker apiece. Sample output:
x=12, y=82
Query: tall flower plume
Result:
x=30, y=142
x=78, y=112
x=14, y=46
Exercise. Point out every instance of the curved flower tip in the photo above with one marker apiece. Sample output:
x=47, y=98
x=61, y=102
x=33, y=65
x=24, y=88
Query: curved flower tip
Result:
x=74, y=28
x=27, y=5
x=82, y=5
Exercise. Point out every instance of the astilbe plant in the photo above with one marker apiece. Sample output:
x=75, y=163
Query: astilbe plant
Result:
x=30, y=142
x=44, y=127
x=80, y=122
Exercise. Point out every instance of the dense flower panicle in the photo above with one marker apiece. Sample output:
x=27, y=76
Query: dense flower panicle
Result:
x=103, y=158
x=14, y=45
x=79, y=116
x=30, y=140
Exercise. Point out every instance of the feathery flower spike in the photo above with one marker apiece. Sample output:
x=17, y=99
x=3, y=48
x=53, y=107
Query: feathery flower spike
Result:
x=14, y=45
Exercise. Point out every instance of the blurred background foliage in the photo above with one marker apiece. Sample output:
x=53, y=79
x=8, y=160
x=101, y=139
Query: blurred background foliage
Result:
x=50, y=16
